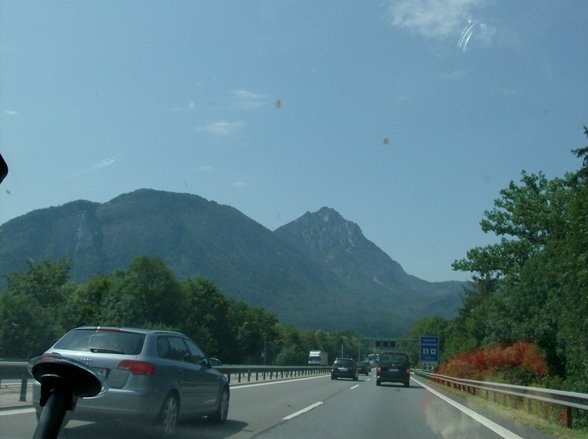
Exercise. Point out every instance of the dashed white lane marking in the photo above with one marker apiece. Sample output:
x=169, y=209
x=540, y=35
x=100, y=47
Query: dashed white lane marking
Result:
x=304, y=410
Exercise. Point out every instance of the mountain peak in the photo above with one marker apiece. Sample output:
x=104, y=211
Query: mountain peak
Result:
x=328, y=214
x=328, y=238
x=323, y=230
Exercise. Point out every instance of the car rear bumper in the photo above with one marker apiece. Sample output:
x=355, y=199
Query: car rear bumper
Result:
x=343, y=374
x=114, y=404
x=393, y=378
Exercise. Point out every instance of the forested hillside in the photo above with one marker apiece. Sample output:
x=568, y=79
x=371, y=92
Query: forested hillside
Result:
x=358, y=287
x=42, y=303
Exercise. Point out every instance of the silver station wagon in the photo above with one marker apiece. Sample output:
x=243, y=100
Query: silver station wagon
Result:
x=153, y=376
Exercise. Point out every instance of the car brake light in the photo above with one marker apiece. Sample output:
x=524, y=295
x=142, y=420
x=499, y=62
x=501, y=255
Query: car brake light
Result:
x=137, y=367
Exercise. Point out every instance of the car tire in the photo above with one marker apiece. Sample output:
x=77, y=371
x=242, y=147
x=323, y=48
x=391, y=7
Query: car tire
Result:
x=356, y=377
x=378, y=383
x=407, y=384
x=167, y=421
x=332, y=377
x=220, y=416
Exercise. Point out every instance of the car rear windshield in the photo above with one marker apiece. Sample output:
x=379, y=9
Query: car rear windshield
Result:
x=102, y=341
x=344, y=362
x=393, y=358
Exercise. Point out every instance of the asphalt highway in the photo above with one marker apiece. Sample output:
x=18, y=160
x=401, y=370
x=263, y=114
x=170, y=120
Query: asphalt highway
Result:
x=315, y=407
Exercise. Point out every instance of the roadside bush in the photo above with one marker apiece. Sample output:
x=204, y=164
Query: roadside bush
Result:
x=520, y=362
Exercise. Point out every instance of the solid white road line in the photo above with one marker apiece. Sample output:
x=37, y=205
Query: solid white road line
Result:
x=16, y=411
x=499, y=430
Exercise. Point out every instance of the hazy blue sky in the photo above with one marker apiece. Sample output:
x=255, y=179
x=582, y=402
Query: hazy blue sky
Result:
x=405, y=116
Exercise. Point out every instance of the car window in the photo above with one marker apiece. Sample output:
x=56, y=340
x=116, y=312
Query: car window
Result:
x=393, y=358
x=177, y=349
x=114, y=342
x=163, y=348
x=196, y=355
x=344, y=362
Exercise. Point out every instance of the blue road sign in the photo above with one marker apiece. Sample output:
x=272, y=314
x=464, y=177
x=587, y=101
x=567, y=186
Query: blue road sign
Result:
x=430, y=348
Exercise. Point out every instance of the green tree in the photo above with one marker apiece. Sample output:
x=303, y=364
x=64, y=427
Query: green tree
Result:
x=254, y=330
x=572, y=252
x=30, y=308
x=533, y=284
x=146, y=294
x=206, y=318
x=525, y=216
x=86, y=303
x=42, y=280
x=290, y=346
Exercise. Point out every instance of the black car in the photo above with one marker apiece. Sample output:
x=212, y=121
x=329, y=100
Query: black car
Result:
x=364, y=367
x=344, y=368
x=393, y=367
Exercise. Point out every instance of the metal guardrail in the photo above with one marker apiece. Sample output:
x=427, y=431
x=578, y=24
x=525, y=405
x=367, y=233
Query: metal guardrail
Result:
x=240, y=373
x=263, y=373
x=567, y=400
x=16, y=370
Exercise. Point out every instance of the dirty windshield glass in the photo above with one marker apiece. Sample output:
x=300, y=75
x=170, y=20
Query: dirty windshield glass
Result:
x=281, y=179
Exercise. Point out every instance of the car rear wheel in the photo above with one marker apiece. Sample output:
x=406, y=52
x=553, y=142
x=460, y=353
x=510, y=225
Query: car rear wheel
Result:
x=222, y=410
x=406, y=383
x=378, y=383
x=167, y=421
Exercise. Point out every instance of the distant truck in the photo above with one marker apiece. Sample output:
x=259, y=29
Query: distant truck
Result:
x=318, y=358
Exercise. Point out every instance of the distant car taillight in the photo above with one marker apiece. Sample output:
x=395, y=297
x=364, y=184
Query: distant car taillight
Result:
x=137, y=367
x=379, y=369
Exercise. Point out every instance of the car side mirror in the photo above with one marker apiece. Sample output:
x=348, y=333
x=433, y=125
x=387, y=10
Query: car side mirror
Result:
x=3, y=169
x=214, y=362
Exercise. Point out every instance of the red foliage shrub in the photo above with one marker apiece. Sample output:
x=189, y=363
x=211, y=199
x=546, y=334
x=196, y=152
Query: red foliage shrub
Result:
x=520, y=361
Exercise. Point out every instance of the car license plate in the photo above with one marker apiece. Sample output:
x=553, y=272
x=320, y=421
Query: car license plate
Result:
x=343, y=369
x=392, y=370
